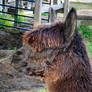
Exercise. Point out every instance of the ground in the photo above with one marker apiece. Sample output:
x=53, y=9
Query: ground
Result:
x=13, y=81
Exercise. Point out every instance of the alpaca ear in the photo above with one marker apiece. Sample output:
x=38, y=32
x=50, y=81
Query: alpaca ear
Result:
x=52, y=15
x=70, y=25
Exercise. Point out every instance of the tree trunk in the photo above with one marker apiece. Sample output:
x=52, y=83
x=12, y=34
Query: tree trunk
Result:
x=37, y=15
x=66, y=8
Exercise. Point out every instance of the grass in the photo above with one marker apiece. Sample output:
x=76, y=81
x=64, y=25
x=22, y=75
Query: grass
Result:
x=5, y=22
x=89, y=46
x=11, y=17
x=20, y=18
x=86, y=32
x=44, y=14
x=42, y=90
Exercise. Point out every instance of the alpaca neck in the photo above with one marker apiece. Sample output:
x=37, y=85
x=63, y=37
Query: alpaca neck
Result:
x=70, y=85
x=69, y=74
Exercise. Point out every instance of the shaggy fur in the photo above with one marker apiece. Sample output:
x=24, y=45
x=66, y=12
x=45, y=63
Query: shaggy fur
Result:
x=58, y=52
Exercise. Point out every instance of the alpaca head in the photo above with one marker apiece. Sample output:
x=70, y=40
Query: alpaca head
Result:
x=43, y=44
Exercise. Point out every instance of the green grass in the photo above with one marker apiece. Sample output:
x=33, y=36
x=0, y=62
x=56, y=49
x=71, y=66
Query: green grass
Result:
x=20, y=18
x=89, y=46
x=44, y=14
x=5, y=22
x=11, y=17
x=86, y=32
x=42, y=90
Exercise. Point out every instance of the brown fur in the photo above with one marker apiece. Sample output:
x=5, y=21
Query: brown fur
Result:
x=58, y=53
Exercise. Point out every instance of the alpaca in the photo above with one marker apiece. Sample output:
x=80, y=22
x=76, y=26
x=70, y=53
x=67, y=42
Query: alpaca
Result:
x=57, y=53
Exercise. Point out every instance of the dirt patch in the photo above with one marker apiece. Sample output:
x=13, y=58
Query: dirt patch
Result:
x=14, y=81
x=10, y=39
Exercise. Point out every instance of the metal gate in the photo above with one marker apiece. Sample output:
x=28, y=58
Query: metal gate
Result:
x=16, y=14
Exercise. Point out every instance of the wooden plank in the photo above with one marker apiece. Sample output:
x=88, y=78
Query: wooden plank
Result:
x=55, y=7
x=37, y=14
x=86, y=22
x=82, y=17
x=81, y=5
x=84, y=14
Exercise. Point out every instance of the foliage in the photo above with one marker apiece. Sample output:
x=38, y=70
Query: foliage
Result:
x=20, y=18
x=15, y=48
x=44, y=14
x=11, y=17
x=78, y=0
x=42, y=90
x=89, y=45
x=5, y=22
x=86, y=32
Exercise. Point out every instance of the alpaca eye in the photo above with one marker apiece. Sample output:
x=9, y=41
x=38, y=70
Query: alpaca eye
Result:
x=47, y=62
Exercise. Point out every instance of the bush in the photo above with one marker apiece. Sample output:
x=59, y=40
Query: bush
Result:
x=20, y=18
x=44, y=14
x=6, y=22
x=86, y=32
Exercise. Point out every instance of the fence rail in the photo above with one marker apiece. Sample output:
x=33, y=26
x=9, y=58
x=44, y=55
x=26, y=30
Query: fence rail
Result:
x=15, y=14
x=15, y=7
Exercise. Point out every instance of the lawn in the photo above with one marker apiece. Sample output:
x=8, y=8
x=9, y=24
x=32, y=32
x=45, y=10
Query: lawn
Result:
x=86, y=32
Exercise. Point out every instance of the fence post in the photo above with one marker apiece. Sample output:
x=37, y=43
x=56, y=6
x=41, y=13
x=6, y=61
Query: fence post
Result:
x=66, y=8
x=16, y=16
x=37, y=13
